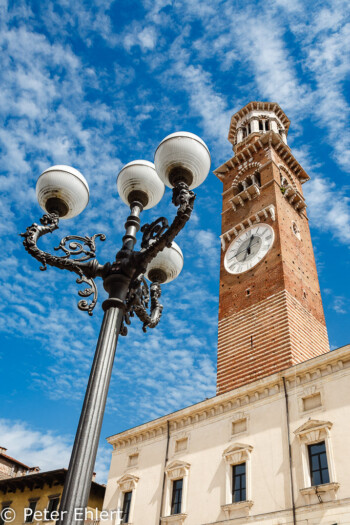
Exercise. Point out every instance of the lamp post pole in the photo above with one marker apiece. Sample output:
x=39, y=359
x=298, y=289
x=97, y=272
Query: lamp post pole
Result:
x=61, y=192
x=78, y=481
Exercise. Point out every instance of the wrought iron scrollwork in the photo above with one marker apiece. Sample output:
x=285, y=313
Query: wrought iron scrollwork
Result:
x=79, y=256
x=86, y=266
x=163, y=235
x=137, y=302
x=153, y=231
x=76, y=246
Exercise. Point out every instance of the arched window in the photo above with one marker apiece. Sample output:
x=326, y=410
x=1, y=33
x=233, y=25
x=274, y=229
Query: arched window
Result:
x=255, y=178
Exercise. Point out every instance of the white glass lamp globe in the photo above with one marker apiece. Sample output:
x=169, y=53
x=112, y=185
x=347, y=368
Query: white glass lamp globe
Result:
x=182, y=156
x=139, y=181
x=62, y=190
x=166, y=265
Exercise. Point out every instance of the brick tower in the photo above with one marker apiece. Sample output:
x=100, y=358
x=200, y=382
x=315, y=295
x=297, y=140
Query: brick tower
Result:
x=270, y=311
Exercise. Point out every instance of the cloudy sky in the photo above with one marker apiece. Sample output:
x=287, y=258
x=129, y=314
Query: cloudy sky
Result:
x=97, y=84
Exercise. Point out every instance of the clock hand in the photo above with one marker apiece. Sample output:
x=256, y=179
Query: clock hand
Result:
x=245, y=249
x=250, y=240
x=239, y=252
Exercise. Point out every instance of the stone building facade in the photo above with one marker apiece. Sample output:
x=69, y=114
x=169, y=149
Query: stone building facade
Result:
x=11, y=467
x=35, y=498
x=271, y=447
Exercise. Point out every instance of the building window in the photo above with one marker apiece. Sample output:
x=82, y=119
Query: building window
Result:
x=127, y=486
x=52, y=508
x=296, y=230
x=238, y=486
x=30, y=511
x=318, y=464
x=176, y=496
x=126, y=507
x=238, y=483
x=176, y=491
x=3, y=514
x=256, y=178
x=264, y=125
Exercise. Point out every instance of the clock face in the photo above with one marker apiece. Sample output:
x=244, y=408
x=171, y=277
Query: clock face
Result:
x=249, y=248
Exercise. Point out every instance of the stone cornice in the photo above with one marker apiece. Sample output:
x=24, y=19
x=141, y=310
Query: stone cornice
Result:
x=271, y=139
x=257, y=391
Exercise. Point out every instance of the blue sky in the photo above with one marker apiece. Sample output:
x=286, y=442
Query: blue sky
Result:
x=98, y=84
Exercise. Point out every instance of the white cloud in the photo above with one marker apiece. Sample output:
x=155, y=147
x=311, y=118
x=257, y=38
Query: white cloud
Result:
x=144, y=38
x=47, y=450
x=340, y=305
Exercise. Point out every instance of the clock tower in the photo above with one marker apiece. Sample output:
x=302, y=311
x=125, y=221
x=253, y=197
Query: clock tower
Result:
x=270, y=310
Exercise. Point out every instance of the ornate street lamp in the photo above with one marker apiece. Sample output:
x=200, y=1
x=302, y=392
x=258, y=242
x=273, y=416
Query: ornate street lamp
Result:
x=182, y=162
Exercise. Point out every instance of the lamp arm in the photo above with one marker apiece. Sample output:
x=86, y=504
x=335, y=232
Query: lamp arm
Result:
x=158, y=235
x=86, y=266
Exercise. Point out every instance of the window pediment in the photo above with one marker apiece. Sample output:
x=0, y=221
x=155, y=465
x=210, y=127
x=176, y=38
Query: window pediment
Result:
x=237, y=453
x=177, y=469
x=313, y=430
x=127, y=482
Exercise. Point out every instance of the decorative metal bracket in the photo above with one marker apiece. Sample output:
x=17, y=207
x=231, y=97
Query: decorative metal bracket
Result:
x=158, y=235
x=86, y=266
x=80, y=257
x=137, y=302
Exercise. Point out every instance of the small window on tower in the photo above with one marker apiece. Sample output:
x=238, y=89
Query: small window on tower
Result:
x=249, y=129
x=267, y=125
x=296, y=230
x=261, y=126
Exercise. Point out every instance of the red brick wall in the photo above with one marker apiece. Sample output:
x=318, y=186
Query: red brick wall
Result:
x=281, y=321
